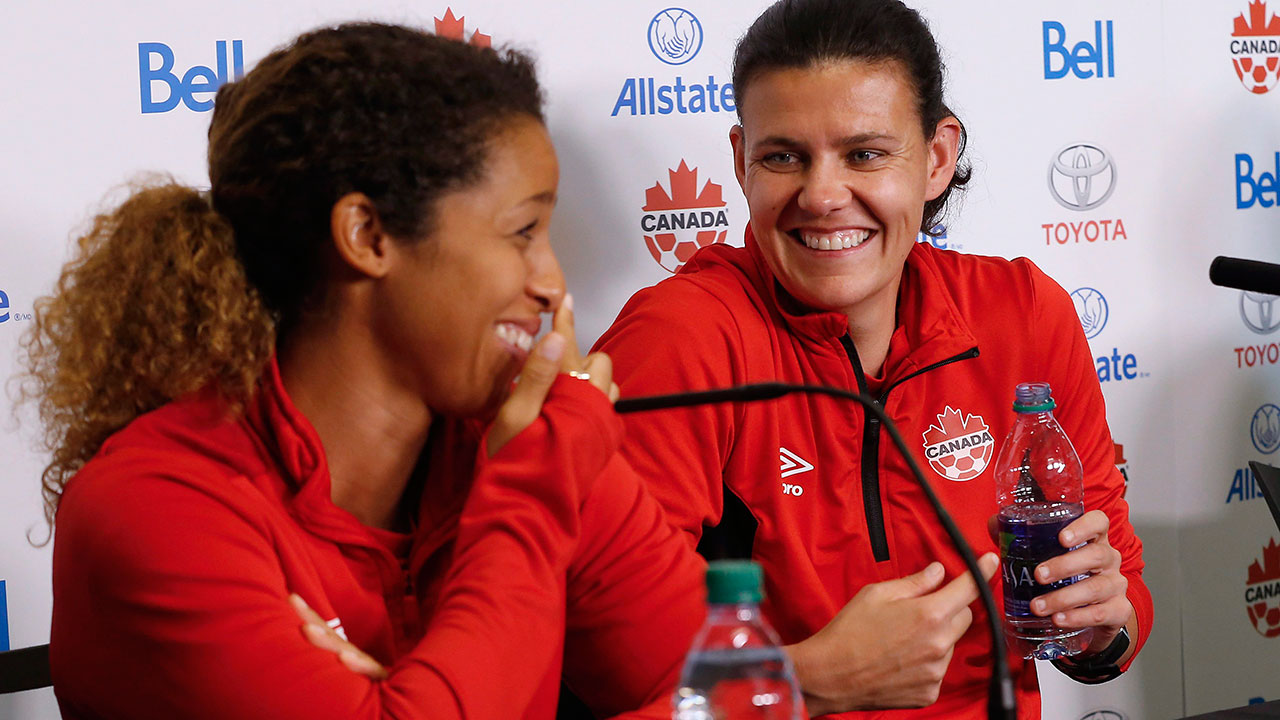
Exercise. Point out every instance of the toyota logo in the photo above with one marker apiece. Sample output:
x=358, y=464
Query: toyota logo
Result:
x=1258, y=312
x=1082, y=177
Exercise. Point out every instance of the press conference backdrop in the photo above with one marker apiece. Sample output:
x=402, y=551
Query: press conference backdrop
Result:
x=1120, y=145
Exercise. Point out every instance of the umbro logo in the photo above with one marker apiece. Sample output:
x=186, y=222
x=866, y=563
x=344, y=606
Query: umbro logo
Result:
x=792, y=464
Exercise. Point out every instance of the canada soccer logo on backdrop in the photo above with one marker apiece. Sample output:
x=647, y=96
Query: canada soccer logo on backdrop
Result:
x=960, y=446
x=455, y=28
x=1262, y=592
x=678, y=222
x=1255, y=48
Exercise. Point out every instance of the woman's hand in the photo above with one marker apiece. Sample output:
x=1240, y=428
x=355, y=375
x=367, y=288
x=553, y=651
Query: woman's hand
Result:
x=890, y=646
x=1098, y=601
x=324, y=637
x=555, y=353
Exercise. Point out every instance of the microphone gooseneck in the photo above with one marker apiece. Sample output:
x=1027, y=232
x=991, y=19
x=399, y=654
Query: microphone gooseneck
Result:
x=1001, y=704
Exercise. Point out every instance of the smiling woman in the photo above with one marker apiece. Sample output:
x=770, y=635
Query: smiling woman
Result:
x=292, y=476
x=845, y=151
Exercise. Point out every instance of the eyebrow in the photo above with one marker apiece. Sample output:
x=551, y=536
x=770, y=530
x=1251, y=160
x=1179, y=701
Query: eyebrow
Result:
x=546, y=197
x=860, y=138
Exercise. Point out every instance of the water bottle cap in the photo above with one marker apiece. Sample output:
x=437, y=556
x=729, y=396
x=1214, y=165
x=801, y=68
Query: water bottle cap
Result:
x=730, y=582
x=1032, y=398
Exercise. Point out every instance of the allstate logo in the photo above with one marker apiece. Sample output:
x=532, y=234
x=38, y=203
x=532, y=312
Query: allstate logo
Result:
x=1082, y=177
x=1092, y=309
x=1257, y=310
x=675, y=36
x=1264, y=429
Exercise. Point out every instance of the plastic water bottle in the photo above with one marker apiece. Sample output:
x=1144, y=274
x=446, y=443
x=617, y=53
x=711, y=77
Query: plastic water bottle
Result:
x=1039, y=488
x=736, y=669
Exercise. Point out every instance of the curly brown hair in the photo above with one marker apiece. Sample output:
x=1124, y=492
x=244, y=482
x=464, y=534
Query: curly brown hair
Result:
x=171, y=292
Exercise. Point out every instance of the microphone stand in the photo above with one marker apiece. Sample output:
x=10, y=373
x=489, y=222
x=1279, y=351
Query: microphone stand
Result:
x=1001, y=704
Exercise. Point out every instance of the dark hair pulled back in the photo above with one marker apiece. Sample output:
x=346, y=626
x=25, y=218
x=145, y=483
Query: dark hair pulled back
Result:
x=173, y=290
x=805, y=33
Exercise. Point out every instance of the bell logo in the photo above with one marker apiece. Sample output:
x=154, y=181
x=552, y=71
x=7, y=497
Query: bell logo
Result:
x=198, y=81
x=1255, y=48
x=454, y=28
x=677, y=223
x=1262, y=592
x=959, y=447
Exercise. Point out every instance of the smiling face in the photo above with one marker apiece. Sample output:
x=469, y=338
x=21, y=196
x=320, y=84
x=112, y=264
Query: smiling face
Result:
x=461, y=307
x=836, y=170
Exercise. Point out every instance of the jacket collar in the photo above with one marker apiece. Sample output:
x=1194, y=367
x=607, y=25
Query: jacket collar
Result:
x=930, y=328
x=285, y=435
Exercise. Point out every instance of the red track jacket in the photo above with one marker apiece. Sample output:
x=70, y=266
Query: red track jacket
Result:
x=178, y=544
x=811, y=487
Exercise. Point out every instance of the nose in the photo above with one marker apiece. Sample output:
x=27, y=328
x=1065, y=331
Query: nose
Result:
x=546, y=279
x=825, y=189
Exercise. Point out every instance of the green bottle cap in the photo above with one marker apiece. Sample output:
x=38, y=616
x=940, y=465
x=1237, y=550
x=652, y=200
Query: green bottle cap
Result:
x=730, y=582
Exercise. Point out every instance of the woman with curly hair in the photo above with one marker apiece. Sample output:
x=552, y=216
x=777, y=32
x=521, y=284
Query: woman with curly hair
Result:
x=291, y=476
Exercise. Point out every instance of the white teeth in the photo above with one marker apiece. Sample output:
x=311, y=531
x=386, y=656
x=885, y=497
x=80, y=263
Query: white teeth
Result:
x=839, y=240
x=515, y=336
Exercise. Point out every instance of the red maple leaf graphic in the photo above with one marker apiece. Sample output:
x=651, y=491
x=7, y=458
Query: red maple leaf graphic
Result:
x=951, y=424
x=1270, y=567
x=1119, y=454
x=453, y=27
x=1256, y=23
x=684, y=195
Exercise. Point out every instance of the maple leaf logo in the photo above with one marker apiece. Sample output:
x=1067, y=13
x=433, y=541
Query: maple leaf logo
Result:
x=1270, y=567
x=960, y=446
x=1256, y=23
x=454, y=28
x=951, y=425
x=684, y=195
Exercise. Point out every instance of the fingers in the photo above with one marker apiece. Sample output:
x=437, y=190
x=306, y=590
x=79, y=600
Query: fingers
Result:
x=525, y=402
x=318, y=633
x=599, y=367
x=1092, y=559
x=914, y=585
x=1089, y=527
x=1112, y=614
x=562, y=323
x=962, y=591
x=1092, y=590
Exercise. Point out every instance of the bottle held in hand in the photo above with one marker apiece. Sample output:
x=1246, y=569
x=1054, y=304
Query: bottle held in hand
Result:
x=736, y=669
x=1039, y=489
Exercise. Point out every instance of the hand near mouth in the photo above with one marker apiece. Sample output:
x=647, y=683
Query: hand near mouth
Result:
x=554, y=354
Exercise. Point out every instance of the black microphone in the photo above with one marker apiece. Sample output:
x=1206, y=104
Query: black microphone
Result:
x=1248, y=275
x=1001, y=704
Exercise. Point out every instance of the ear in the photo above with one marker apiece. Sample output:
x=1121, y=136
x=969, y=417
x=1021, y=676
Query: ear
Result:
x=738, y=141
x=358, y=237
x=943, y=150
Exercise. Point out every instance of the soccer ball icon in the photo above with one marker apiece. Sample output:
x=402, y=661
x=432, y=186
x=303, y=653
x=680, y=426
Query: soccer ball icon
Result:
x=673, y=250
x=1265, y=618
x=965, y=464
x=1258, y=73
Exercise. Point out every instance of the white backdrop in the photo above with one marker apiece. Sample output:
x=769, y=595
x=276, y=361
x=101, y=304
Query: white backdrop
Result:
x=1152, y=117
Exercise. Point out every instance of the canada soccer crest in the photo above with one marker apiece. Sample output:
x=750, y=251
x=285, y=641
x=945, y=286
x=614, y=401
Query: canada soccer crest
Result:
x=960, y=446
x=679, y=222
x=1262, y=592
x=455, y=28
x=1255, y=48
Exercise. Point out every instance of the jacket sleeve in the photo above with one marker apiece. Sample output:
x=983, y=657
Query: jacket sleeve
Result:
x=636, y=599
x=1082, y=413
x=171, y=602
x=671, y=338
